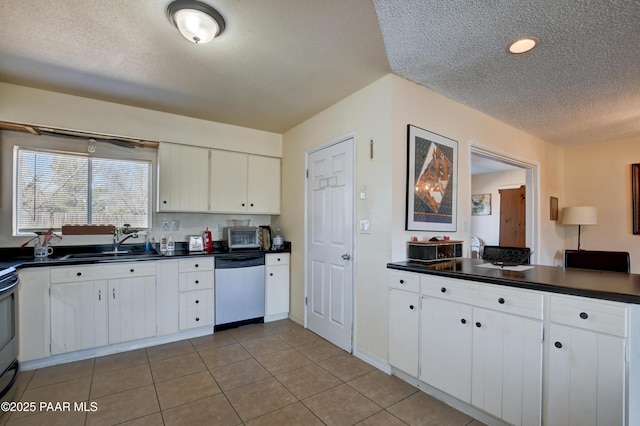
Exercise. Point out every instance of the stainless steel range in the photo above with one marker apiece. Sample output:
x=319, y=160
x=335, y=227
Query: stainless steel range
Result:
x=9, y=347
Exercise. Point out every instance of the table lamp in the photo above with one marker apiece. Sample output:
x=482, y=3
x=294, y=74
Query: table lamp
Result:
x=579, y=215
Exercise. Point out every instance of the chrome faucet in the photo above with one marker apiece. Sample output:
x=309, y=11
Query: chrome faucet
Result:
x=118, y=233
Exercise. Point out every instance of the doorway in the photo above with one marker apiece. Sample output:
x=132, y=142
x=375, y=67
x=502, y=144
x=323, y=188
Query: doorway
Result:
x=507, y=173
x=329, y=242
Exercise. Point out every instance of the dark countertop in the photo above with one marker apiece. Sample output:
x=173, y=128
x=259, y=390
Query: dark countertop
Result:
x=616, y=286
x=23, y=257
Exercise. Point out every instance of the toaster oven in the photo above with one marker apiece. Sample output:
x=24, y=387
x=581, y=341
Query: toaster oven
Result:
x=242, y=237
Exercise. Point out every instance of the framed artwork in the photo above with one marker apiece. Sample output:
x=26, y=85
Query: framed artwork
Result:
x=635, y=196
x=553, y=208
x=432, y=187
x=481, y=205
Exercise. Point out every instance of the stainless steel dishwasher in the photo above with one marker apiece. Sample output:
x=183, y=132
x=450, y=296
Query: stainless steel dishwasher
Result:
x=239, y=290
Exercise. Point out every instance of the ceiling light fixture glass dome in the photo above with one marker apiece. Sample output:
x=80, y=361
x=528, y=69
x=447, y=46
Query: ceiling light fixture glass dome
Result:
x=197, y=22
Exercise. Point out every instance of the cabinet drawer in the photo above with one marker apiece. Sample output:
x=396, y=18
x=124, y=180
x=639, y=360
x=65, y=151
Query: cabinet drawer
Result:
x=595, y=315
x=527, y=303
x=446, y=288
x=405, y=281
x=499, y=298
x=201, y=299
x=195, y=280
x=276, y=259
x=65, y=274
x=196, y=318
x=195, y=264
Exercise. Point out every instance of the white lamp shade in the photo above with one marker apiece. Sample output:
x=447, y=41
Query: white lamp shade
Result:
x=580, y=215
x=196, y=26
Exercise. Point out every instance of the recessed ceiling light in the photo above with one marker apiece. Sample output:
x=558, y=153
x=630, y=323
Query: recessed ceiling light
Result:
x=523, y=45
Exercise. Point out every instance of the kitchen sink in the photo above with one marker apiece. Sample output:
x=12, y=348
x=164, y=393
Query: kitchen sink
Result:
x=123, y=254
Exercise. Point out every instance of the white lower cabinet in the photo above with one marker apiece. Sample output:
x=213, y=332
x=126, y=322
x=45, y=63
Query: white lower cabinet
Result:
x=587, y=366
x=34, y=312
x=196, y=309
x=78, y=316
x=507, y=366
x=445, y=346
x=471, y=341
x=168, y=302
x=276, y=286
x=88, y=312
x=132, y=308
x=196, y=297
x=404, y=320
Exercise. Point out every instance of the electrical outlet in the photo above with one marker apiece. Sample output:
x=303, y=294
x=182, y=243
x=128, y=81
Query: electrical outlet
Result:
x=175, y=225
x=165, y=225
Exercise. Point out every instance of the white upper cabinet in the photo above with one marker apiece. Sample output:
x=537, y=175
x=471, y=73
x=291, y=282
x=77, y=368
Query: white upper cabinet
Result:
x=263, y=186
x=183, y=178
x=228, y=181
x=244, y=183
x=196, y=179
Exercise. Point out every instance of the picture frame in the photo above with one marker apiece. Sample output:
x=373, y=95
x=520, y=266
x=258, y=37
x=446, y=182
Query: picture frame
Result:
x=553, y=208
x=481, y=205
x=635, y=197
x=432, y=187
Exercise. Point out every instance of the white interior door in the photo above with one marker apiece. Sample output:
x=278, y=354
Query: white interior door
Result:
x=329, y=243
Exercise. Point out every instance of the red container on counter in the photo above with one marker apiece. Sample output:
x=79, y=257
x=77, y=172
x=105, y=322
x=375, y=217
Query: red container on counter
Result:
x=207, y=241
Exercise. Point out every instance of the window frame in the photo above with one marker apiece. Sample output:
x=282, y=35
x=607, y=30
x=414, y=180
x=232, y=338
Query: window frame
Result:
x=29, y=148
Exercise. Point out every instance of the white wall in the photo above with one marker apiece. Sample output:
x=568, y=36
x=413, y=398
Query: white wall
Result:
x=381, y=112
x=40, y=107
x=367, y=113
x=413, y=104
x=600, y=175
x=487, y=227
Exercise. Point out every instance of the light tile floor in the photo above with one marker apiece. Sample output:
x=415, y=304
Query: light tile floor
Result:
x=267, y=374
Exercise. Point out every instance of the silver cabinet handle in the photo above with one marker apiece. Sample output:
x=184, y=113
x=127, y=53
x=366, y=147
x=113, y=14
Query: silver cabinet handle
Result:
x=99, y=294
x=346, y=256
x=114, y=293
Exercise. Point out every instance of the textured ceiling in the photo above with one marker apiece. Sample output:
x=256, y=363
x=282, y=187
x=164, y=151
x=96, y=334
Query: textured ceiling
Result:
x=580, y=85
x=280, y=62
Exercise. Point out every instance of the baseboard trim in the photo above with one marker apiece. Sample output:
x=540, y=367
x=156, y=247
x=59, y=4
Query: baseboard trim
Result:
x=112, y=349
x=380, y=364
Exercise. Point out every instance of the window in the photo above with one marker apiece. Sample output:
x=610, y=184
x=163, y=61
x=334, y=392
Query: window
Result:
x=55, y=189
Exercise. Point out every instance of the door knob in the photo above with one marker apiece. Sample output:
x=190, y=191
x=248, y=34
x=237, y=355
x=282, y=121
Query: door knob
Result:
x=346, y=256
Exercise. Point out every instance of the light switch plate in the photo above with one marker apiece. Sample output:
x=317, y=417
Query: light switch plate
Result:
x=365, y=226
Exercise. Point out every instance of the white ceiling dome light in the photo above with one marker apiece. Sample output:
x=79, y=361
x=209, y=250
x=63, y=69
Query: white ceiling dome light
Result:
x=196, y=21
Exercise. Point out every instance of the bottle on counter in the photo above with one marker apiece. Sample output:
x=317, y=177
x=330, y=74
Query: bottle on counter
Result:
x=278, y=241
x=147, y=243
x=163, y=244
x=171, y=246
x=154, y=246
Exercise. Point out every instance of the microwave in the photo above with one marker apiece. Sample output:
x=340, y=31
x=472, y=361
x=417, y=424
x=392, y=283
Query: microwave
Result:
x=242, y=237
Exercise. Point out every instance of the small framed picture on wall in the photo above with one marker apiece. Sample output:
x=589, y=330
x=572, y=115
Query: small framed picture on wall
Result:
x=481, y=205
x=553, y=208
